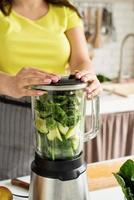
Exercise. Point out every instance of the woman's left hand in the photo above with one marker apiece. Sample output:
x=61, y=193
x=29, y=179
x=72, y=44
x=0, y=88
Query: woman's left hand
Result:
x=88, y=76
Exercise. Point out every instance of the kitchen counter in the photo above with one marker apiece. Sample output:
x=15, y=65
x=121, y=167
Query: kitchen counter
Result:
x=100, y=174
x=102, y=184
x=113, y=193
x=15, y=189
x=104, y=194
x=111, y=103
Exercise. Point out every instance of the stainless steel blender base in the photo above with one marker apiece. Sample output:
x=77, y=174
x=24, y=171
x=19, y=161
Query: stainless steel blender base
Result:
x=42, y=188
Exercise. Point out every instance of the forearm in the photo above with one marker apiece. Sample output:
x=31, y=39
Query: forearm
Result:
x=4, y=83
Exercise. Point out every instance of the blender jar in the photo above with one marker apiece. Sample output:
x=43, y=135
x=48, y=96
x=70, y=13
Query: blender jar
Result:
x=59, y=119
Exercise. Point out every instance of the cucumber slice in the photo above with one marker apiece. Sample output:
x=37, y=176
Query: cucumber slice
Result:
x=54, y=133
x=70, y=133
x=40, y=125
x=62, y=129
x=75, y=142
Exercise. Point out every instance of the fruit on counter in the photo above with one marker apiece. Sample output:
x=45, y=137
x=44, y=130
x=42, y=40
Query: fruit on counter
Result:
x=5, y=193
x=125, y=178
x=57, y=117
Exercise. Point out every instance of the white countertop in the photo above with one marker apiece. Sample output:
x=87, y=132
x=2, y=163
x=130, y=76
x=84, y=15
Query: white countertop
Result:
x=110, y=193
x=114, y=193
x=15, y=189
x=110, y=103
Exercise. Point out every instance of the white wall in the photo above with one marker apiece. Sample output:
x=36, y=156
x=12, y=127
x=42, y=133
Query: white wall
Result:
x=106, y=59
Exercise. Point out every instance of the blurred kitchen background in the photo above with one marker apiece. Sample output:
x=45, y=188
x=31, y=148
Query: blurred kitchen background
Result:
x=106, y=25
x=109, y=30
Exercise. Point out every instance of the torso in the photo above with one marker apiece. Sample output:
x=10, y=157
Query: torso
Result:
x=40, y=43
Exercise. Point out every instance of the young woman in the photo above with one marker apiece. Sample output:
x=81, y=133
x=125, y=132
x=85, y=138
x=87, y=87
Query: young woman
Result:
x=40, y=40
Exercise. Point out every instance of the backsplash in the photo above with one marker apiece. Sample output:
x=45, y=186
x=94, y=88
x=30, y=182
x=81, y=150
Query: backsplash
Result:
x=106, y=59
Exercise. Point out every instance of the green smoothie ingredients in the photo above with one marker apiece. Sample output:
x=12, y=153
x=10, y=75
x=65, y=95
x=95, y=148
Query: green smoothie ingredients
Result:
x=57, y=117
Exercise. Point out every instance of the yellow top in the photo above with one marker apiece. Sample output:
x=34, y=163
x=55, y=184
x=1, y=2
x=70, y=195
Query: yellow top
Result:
x=40, y=43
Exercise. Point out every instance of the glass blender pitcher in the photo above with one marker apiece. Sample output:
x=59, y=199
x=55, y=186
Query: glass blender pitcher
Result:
x=59, y=118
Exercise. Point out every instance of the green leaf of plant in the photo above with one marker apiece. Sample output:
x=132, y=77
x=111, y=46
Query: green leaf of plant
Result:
x=127, y=169
x=119, y=179
x=125, y=178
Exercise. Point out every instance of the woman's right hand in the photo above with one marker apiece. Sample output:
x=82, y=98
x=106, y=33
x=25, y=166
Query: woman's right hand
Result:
x=20, y=85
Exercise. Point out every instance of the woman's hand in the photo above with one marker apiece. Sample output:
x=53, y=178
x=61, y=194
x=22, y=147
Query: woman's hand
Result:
x=20, y=85
x=94, y=87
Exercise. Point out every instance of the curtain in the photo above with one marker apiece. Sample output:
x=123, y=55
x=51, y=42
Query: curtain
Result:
x=116, y=137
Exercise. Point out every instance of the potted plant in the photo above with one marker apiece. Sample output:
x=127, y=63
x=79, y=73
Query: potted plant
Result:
x=125, y=178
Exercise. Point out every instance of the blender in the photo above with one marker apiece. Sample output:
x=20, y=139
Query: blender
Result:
x=58, y=171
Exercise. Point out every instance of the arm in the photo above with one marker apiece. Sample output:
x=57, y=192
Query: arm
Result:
x=4, y=79
x=80, y=63
x=79, y=58
x=19, y=85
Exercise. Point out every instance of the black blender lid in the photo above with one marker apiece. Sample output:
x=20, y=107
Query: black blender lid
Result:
x=65, y=83
x=68, y=80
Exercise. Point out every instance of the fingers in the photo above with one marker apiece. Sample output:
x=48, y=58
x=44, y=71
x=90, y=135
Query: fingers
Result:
x=84, y=75
x=31, y=76
x=94, y=87
x=27, y=77
x=33, y=72
x=94, y=93
x=34, y=81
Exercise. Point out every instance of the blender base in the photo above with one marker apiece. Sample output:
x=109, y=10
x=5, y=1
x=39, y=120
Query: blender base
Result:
x=42, y=188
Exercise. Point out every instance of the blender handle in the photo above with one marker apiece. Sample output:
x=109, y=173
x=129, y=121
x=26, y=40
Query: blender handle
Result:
x=95, y=121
